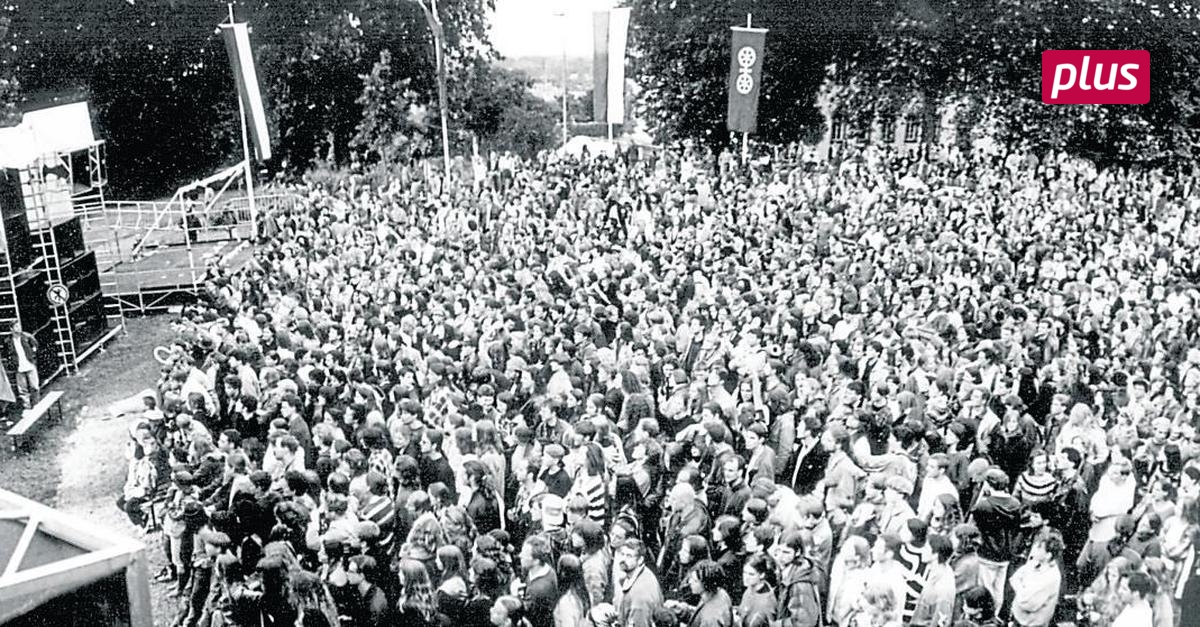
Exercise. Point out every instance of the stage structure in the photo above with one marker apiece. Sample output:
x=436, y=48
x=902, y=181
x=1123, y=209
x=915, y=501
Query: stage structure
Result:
x=49, y=280
x=56, y=569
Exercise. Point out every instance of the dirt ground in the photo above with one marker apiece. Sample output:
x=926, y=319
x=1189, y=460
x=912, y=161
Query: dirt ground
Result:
x=79, y=466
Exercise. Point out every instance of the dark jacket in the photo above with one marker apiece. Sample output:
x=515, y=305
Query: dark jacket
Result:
x=541, y=595
x=799, y=602
x=438, y=470
x=807, y=470
x=998, y=517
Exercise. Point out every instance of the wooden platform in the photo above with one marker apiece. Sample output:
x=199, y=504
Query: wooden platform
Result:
x=165, y=275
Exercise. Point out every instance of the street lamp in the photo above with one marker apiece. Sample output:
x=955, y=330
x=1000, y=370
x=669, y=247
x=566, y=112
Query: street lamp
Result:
x=429, y=7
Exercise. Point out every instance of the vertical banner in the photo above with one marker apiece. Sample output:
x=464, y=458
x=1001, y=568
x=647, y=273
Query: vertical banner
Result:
x=610, y=36
x=237, y=43
x=745, y=75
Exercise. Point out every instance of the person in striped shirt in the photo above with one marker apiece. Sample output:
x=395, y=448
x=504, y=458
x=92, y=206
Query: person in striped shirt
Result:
x=379, y=509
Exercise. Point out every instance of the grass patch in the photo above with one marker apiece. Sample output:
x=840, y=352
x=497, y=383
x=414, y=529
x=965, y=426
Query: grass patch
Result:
x=126, y=366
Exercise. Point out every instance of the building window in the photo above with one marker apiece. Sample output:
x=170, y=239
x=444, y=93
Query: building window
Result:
x=912, y=130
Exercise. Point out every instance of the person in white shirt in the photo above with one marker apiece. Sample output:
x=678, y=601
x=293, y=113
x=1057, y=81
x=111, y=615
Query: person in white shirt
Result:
x=25, y=347
x=1036, y=584
x=935, y=484
x=1138, y=613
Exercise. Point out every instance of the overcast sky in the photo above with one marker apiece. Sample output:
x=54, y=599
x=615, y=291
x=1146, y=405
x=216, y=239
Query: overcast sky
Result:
x=522, y=28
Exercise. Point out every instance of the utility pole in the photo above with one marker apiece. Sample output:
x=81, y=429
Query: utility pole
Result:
x=563, y=14
x=435, y=27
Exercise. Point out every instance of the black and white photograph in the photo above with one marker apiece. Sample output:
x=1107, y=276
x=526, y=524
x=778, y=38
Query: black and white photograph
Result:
x=599, y=313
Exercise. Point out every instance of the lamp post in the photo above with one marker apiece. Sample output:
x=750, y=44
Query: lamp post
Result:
x=429, y=7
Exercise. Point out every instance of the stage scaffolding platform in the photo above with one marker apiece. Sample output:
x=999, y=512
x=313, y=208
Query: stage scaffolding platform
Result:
x=169, y=276
x=154, y=255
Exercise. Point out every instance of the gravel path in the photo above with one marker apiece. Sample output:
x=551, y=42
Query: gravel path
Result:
x=93, y=457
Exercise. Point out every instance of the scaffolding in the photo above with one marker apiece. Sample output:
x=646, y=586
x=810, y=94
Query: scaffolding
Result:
x=57, y=296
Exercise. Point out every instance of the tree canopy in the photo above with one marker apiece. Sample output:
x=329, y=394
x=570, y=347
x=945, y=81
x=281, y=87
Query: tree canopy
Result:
x=881, y=58
x=332, y=73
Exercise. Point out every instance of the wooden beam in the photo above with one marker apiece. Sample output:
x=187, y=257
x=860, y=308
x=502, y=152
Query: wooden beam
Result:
x=18, y=553
x=137, y=587
x=23, y=593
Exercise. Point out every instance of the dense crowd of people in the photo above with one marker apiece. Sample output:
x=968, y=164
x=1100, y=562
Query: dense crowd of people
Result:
x=664, y=389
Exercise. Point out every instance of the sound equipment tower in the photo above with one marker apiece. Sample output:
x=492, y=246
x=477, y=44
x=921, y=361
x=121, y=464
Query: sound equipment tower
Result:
x=43, y=259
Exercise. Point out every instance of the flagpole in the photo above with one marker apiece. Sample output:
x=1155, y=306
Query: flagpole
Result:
x=248, y=174
x=745, y=135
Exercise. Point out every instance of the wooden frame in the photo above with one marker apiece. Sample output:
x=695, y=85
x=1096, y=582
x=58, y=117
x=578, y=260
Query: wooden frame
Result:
x=107, y=553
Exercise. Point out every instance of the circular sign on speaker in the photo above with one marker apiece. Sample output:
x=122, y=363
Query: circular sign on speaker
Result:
x=58, y=294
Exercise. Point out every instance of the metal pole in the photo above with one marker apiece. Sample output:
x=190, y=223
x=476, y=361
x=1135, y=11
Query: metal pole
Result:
x=435, y=24
x=746, y=136
x=248, y=172
x=564, y=77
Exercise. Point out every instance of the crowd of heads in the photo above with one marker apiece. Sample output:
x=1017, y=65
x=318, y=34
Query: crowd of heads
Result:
x=665, y=388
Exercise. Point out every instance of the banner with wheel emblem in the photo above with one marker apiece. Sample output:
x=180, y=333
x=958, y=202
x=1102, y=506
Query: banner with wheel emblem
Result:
x=745, y=74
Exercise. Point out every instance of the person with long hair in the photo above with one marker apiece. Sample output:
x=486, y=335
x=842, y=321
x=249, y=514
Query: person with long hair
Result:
x=460, y=528
x=758, y=602
x=591, y=482
x=848, y=579
x=627, y=501
x=452, y=592
x=1104, y=599
x=574, y=603
x=728, y=552
x=487, y=585
x=944, y=514
x=491, y=455
x=715, y=608
x=1037, y=485
x=590, y=543
x=692, y=550
x=877, y=608
x=311, y=600
x=416, y=604
x=508, y=611
x=480, y=498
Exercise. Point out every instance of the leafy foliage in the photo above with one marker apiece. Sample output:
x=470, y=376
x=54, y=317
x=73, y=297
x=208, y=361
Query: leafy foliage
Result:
x=159, y=80
x=988, y=54
x=681, y=59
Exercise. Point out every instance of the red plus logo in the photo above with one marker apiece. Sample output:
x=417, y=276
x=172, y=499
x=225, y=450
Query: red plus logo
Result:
x=1096, y=77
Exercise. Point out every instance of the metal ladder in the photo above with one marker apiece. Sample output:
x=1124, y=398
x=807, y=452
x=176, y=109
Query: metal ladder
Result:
x=42, y=231
x=8, y=284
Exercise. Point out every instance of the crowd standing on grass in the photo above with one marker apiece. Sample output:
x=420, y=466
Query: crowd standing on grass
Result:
x=667, y=389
